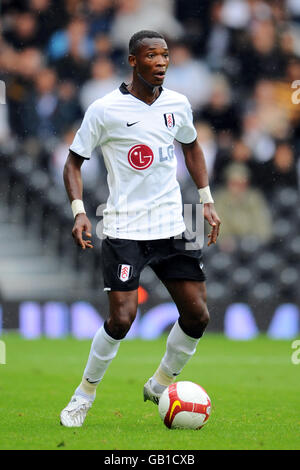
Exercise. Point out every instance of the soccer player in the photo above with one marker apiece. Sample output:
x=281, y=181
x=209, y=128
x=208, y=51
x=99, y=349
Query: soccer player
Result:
x=136, y=125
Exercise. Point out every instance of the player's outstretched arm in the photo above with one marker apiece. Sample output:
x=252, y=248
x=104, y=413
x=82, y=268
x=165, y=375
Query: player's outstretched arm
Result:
x=74, y=187
x=195, y=163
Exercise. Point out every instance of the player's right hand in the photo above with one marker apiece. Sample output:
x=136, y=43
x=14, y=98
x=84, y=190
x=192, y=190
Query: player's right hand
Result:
x=82, y=225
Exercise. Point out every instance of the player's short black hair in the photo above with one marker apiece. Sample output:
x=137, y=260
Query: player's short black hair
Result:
x=139, y=36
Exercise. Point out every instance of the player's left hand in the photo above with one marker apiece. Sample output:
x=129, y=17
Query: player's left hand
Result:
x=82, y=225
x=214, y=221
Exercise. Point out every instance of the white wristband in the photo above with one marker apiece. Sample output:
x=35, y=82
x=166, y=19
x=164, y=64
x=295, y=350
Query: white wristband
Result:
x=205, y=195
x=77, y=207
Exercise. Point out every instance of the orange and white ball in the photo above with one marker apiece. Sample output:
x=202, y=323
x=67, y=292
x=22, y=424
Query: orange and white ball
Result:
x=184, y=405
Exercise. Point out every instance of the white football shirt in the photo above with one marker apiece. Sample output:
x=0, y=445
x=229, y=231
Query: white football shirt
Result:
x=137, y=143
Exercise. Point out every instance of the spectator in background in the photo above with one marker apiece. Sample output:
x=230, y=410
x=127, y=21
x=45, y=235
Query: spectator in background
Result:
x=22, y=68
x=29, y=62
x=23, y=33
x=100, y=17
x=220, y=113
x=185, y=70
x=50, y=15
x=218, y=37
x=71, y=50
x=103, y=48
x=132, y=15
x=280, y=172
x=68, y=109
x=243, y=209
x=240, y=153
x=71, y=40
x=288, y=41
x=262, y=59
x=40, y=107
x=273, y=119
x=235, y=14
x=262, y=144
x=103, y=80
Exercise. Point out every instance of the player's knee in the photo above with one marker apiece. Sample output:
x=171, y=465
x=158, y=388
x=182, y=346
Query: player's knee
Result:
x=196, y=319
x=204, y=316
x=121, y=319
x=200, y=314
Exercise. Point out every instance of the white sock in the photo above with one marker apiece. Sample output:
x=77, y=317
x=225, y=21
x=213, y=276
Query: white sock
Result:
x=83, y=389
x=180, y=348
x=103, y=350
x=158, y=387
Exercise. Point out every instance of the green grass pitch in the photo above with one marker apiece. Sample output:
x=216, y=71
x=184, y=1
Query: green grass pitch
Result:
x=254, y=388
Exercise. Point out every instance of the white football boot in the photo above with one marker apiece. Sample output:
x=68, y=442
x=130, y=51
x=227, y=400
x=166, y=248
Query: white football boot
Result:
x=75, y=412
x=149, y=394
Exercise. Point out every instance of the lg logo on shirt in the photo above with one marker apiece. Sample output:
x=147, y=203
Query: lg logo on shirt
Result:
x=141, y=156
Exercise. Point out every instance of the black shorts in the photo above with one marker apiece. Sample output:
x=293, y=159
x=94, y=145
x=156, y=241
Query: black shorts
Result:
x=124, y=260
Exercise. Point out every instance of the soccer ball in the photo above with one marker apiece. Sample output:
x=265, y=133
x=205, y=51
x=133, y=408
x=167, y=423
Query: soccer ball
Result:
x=184, y=405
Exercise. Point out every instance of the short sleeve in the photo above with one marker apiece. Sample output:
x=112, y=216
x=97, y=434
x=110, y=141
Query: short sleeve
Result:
x=186, y=132
x=88, y=136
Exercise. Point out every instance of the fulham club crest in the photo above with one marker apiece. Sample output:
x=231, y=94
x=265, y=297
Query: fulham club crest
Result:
x=169, y=120
x=124, y=272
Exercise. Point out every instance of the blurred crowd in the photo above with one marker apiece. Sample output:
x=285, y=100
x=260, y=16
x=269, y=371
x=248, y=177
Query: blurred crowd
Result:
x=235, y=60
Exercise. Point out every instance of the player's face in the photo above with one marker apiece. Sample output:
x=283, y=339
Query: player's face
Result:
x=151, y=60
